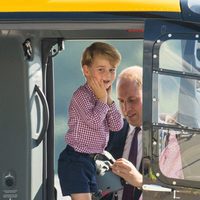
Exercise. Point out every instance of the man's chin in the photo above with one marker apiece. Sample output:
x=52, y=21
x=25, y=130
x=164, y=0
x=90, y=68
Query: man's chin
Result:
x=131, y=121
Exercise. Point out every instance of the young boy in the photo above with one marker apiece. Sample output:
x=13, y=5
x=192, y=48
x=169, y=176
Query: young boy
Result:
x=92, y=114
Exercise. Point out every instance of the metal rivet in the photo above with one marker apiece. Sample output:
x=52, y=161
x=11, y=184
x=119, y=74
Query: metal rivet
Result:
x=157, y=174
x=170, y=35
x=154, y=99
x=174, y=182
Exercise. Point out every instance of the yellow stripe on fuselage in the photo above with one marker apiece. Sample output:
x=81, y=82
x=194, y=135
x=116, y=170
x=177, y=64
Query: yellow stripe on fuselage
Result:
x=89, y=6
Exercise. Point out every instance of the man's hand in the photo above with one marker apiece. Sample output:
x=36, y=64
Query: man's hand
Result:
x=128, y=172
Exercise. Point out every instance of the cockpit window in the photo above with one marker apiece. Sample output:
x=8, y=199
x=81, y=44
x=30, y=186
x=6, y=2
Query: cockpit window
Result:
x=180, y=55
x=175, y=108
x=194, y=6
x=177, y=99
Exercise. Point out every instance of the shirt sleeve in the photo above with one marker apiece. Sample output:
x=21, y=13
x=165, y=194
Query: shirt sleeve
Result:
x=114, y=118
x=91, y=112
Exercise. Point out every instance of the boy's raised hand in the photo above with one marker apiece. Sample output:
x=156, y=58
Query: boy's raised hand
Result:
x=98, y=88
x=109, y=99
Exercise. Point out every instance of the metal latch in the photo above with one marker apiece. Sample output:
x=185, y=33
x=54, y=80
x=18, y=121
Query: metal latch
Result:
x=158, y=188
x=155, y=188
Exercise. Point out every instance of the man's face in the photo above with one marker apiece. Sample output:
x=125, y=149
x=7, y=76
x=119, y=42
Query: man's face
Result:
x=130, y=101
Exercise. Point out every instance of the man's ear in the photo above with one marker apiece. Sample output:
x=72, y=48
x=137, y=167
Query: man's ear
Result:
x=86, y=71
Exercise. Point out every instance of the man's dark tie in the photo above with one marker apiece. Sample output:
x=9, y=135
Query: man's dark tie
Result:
x=128, y=193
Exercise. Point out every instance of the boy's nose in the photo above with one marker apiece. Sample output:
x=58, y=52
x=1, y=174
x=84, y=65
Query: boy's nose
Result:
x=107, y=75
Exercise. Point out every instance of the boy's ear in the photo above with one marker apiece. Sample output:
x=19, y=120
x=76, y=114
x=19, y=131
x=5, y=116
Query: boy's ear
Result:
x=86, y=71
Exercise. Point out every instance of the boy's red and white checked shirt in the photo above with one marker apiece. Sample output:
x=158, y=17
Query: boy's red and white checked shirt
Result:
x=90, y=121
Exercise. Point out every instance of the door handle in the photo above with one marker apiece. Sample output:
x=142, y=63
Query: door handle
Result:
x=45, y=115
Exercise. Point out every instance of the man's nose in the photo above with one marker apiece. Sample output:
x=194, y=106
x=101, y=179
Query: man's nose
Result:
x=125, y=108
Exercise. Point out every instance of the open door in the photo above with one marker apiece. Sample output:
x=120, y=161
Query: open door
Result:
x=171, y=117
x=24, y=117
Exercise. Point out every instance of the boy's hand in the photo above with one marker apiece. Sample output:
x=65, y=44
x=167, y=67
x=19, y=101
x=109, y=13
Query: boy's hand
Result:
x=98, y=89
x=109, y=99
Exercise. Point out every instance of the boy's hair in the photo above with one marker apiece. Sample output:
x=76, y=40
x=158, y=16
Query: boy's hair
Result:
x=102, y=49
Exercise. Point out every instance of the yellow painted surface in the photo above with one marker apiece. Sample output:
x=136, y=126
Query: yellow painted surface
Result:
x=89, y=5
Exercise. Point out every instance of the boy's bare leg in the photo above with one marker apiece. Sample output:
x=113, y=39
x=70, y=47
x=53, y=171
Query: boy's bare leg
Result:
x=81, y=196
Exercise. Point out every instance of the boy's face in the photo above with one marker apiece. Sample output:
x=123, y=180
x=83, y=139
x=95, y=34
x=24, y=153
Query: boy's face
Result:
x=101, y=69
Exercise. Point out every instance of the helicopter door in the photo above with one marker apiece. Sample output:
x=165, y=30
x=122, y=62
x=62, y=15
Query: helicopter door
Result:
x=171, y=117
x=23, y=118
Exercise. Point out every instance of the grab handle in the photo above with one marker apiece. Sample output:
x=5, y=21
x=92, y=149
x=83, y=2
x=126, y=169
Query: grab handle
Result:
x=45, y=115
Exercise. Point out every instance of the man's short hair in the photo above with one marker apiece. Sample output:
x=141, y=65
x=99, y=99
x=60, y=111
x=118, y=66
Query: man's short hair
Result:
x=132, y=73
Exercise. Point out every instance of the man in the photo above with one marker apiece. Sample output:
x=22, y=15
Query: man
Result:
x=129, y=94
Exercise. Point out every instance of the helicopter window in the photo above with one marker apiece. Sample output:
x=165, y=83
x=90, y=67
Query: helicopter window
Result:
x=177, y=97
x=182, y=146
x=177, y=155
x=175, y=109
x=180, y=55
x=177, y=112
x=194, y=6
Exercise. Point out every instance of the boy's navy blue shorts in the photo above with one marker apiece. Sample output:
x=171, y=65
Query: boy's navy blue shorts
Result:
x=76, y=172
